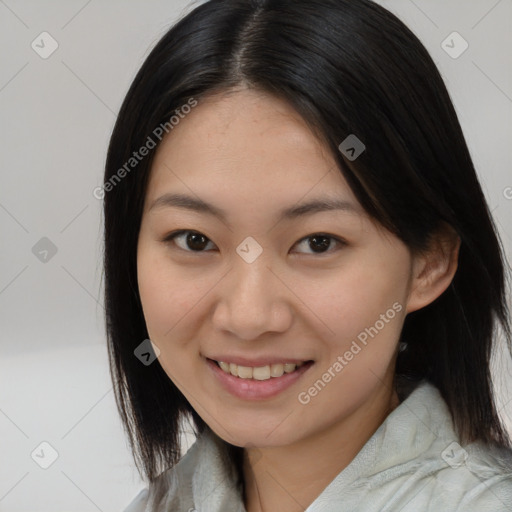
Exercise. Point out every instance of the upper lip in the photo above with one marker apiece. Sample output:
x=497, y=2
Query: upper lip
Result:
x=257, y=361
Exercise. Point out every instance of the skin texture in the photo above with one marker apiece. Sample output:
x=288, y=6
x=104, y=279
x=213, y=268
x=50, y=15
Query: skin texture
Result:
x=252, y=155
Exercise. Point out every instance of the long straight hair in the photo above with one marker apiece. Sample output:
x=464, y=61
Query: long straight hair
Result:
x=347, y=67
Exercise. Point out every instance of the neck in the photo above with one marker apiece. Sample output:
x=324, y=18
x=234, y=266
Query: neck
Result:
x=291, y=477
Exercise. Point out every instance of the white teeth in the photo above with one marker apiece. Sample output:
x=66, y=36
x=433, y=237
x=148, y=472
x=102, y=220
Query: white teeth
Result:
x=244, y=372
x=276, y=370
x=259, y=373
x=289, y=368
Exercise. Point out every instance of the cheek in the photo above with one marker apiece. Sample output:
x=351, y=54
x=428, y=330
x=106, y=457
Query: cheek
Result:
x=353, y=301
x=167, y=295
x=366, y=311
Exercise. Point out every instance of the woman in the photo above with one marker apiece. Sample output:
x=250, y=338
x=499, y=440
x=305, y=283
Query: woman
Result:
x=299, y=258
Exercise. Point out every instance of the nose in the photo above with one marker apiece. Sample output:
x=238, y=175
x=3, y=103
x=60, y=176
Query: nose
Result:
x=252, y=301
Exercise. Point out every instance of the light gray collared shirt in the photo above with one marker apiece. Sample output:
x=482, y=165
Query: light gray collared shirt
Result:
x=412, y=463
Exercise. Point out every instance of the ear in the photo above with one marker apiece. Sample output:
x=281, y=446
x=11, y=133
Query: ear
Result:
x=433, y=269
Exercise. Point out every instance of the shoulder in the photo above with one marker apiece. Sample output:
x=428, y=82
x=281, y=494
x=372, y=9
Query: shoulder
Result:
x=172, y=487
x=421, y=464
x=469, y=487
x=481, y=476
x=476, y=476
x=203, y=474
x=139, y=503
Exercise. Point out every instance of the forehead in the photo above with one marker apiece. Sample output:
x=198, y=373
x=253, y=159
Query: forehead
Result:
x=248, y=145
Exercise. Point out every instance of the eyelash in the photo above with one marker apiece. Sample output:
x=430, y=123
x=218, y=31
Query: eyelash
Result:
x=172, y=236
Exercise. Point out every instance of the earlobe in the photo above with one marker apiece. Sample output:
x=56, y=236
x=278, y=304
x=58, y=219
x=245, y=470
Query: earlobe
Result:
x=433, y=270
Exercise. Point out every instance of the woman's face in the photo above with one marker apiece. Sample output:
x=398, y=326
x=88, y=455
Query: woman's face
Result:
x=258, y=279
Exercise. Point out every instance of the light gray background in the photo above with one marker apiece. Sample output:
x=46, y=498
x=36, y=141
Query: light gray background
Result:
x=57, y=115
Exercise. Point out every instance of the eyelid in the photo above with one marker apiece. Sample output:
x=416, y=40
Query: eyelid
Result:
x=339, y=241
x=169, y=238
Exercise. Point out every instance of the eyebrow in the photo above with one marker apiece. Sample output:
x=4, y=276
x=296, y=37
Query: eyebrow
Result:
x=320, y=204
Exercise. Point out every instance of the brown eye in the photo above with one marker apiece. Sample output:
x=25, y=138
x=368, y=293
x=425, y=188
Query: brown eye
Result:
x=319, y=243
x=190, y=241
x=193, y=241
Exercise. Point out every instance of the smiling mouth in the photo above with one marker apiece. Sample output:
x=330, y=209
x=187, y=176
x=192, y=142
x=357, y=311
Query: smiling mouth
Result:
x=261, y=372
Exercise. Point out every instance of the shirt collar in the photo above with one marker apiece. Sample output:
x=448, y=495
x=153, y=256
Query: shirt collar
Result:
x=206, y=480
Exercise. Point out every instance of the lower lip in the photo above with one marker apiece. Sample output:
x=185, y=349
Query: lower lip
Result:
x=252, y=389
